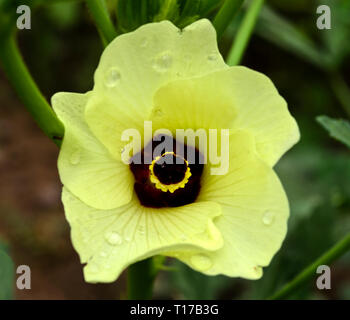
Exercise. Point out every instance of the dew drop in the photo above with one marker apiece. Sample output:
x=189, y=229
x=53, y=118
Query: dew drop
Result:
x=141, y=230
x=127, y=239
x=268, y=217
x=144, y=43
x=163, y=62
x=158, y=112
x=93, y=267
x=75, y=157
x=113, y=238
x=201, y=262
x=103, y=254
x=212, y=57
x=112, y=77
x=183, y=237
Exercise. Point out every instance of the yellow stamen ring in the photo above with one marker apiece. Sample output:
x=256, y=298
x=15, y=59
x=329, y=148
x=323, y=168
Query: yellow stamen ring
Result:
x=168, y=187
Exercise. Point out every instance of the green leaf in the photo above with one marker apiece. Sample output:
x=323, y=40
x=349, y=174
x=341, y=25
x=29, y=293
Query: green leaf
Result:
x=278, y=30
x=208, y=6
x=133, y=13
x=339, y=129
x=7, y=276
x=225, y=15
x=188, y=12
x=335, y=39
x=244, y=33
x=169, y=10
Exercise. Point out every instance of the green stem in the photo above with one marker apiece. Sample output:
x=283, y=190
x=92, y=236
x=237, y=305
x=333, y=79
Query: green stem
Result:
x=141, y=276
x=102, y=19
x=244, y=33
x=27, y=90
x=224, y=16
x=340, y=248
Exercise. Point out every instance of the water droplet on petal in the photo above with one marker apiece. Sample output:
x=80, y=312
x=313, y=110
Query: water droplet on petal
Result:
x=112, y=77
x=141, y=230
x=144, y=43
x=93, y=267
x=163, y=62
x=212, y=57
x=183, y=237
x=268, y=217
x=127, y=239
x=201, y=262
x=103, y=254
x=113, y=238
x=75, y=157
x=158, y=112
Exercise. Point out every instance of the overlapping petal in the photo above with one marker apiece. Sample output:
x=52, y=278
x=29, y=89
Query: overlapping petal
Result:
x=254, y=214
x=135, y=65
x=235, y=98
x=194, y=103
x=262, y=111
x=110, y=240
x=86, y=167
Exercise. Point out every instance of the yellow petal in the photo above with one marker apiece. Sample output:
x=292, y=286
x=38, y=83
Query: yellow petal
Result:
x=262, y=111
x=196, y=103
x=254, y=214
x=135, y=65
x=110, y=240
x=236, y=98
x=86, y=167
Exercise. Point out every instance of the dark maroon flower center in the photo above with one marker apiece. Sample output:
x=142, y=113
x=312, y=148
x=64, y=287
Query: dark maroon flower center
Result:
x=168, y=171
x=170, y=168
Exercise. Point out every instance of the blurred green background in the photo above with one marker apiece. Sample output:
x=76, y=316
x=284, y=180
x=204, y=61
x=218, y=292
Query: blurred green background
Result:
x=310, y=67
